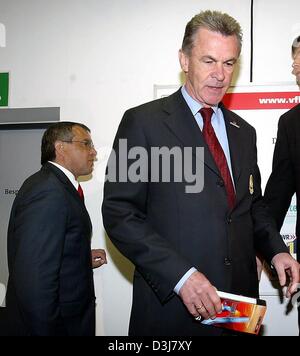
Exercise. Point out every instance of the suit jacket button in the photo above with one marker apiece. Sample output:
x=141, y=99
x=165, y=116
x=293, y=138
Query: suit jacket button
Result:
x=220, y=183
x=229, y=220
x=227, y=262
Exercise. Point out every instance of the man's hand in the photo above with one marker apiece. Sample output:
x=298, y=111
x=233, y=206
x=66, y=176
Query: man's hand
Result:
x=285, y=264
x=98, y=258
x=200, y=297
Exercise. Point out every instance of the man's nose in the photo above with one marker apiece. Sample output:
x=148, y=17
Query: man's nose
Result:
x=295, y=66
x=219, y=72
x=94, y=151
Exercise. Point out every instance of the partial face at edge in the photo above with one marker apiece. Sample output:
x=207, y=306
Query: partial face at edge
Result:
x=296, y=66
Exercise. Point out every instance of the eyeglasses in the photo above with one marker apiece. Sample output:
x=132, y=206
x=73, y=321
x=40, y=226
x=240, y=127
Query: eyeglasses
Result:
x=88, y=144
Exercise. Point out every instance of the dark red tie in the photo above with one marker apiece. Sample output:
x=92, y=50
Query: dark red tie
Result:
x=80, y=192
x=218, y=154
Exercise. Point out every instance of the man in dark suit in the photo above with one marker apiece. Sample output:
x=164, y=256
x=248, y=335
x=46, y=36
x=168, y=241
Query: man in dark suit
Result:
x=50, y=288
x=284, y=181
x=186, y=241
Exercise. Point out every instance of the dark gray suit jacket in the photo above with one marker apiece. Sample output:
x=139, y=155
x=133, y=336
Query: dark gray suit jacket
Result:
x=164, y=231
x=284, y=181
x=50, y=288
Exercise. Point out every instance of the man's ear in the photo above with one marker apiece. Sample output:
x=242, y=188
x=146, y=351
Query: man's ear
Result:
x=184, y=61
x=59, y=148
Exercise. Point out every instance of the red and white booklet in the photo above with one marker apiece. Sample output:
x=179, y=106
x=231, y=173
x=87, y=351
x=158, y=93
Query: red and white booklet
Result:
x=239, y=313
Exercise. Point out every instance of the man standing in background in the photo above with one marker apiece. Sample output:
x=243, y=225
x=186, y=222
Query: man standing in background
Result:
x=284, y=181
x=50, y=289
x=185, y=244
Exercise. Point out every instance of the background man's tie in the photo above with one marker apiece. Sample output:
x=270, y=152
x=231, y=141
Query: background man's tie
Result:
x=80, y=192
x=218, y=154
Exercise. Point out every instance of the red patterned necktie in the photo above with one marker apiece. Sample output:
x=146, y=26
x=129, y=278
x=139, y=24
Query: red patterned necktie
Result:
x=218, y=154
x=80, y=192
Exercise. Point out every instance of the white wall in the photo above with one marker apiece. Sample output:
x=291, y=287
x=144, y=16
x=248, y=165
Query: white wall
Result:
x=96, y=58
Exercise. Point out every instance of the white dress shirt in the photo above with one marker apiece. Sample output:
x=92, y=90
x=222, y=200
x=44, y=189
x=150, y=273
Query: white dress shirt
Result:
x=67, y=173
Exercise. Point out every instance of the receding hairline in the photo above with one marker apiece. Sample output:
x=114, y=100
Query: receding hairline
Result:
x=64, y=126
x=79, y=126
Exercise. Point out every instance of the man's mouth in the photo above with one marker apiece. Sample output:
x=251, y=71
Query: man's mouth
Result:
x=216, y=88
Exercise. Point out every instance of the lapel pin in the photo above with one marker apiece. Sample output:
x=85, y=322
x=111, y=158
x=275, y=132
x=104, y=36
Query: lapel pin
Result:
x=235, y=124
x=251, y=185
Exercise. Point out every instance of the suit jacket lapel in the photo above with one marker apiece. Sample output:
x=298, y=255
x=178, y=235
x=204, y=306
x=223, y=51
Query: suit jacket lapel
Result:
x=183, y=125
x=71, y=189
x=65, y=181
x=235, y=142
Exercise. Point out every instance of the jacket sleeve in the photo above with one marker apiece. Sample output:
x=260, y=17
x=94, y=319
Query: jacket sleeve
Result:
x=125, y=216
x=281, y=185
x=37, y=229
x=267, y=239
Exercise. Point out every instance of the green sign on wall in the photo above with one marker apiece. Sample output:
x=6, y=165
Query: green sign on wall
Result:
x=4, y=85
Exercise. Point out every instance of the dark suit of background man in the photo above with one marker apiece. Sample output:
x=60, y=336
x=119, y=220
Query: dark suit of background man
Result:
x=183, y=244
x=284, y=181
x=50, y=288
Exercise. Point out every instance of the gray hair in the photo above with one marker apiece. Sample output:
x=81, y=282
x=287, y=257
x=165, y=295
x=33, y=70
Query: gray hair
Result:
x=215, y=21
x=295, y=45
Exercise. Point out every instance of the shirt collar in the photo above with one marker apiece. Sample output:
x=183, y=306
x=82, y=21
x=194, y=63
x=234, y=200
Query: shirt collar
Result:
x=67, y=173
x=194, y=105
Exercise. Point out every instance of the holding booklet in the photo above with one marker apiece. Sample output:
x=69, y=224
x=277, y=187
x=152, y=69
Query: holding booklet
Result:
x=239, y=313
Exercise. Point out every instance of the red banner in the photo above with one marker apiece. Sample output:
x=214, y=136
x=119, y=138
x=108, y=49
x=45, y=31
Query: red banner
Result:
x=261, y=101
